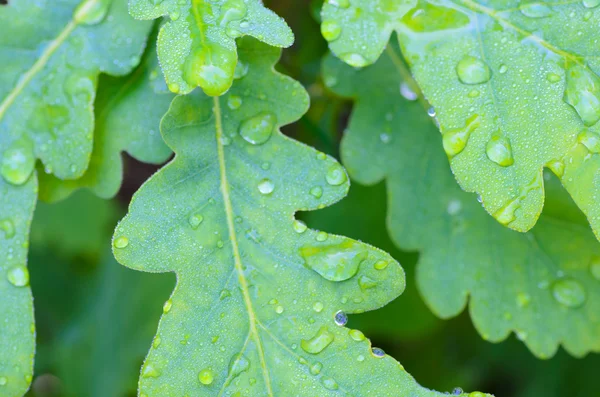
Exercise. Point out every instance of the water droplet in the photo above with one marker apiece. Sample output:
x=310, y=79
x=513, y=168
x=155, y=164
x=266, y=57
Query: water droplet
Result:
x=316, y=368
x=353, y=59
x=3, y=381
x=319, y=342
x=503, y=69
x=225, y=293
x=329, y=383
x=569, y=292
x=18, y=162
x=167, y=306
x=595, y=267
x=91, y=12
x=385, y=138
x=583, y=93
x=590, y=140
x=257, y=130
x=457, y=391
x=206, y=376
x=211, y=67
x=498, y=150
x=150, y=372
x=121, y=242
x=156, y=342
x=454, y=207
x=339, y=3
x=356, y=335
x=174, y=88
x=407, y=92
x=336, y=262
x=381, y=264
x=195, y=220
x=336, y=175
x=232, y=10
x=330, y=30
x=473, y=93
x=360, y=358
x=377, y=352
x=558, y=167
x=591, y=3
x=365, y=283
x=536, y=10
x=7, y=226
x=471, y=70
x=318, y=307
x=299, y=226
x=340, y=318
x=455, y=140
x=238, y=364
x=523, y=299
x=220, y=244
x=553, y=77
x=507, y=214
x=241, y=70
x=431, y=112
x=321, y=236
x=234, y=102
x=316, y=191
x=279, y=309
x=18, y=276
x=266, y=186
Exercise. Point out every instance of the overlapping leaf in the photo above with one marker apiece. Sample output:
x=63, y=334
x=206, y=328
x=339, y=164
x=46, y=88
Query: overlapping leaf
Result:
x=543, y=285
x=197, y=46
x=258, y=307
x=514, y=85
x=51, y=58
x=128, y=111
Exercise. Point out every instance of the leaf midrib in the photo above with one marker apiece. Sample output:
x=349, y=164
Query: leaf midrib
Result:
x=224, y=187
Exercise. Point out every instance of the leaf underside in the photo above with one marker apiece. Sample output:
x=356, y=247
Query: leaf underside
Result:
x=50, y=65
x=254, y=309
x=197, y=48
x=542, y=285
x=514, y=86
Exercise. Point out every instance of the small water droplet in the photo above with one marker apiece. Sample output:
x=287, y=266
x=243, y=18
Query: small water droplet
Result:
x=156, y=342
x=457, y=391
x=7, y=226
x=381, y=264
x=195, y=220
x=330, y=30
x=356, y=335
x=499, y=150
x=225, y=293
x=553, y=77
x=385, y=138
x=91, y=12
x=590, y=140
x=583, y=93
x=340, y=318
x=316, y=191
x=238, y=364
x=18, y=276
x=167, y=306
x=336, y=262
x=150, y=372
x=279, y=309
x=503, y=69
x=377, y=352
x=121, y=242
x=329, y=383
x=507, y=213
x=321, y=236
x=299, y=226
x=318, y=342
x=241, y=70
x=316, y=368
x=174, y=88
x=536, y=10
x=206, y=376
x=365, y=283
x=336, y=175
x=431, y=112
x=234, y=102
x=18, y=162
x=407, y=92
x=523, y=299
x=455, y=140
x=471, y=70
x=258, y=129
x=558, y=167
x=266, y=186
x=318, y=307
x=569, y=292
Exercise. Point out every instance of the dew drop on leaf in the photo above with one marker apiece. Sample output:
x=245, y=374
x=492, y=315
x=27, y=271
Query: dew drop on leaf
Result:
x=455, y=140
x=258, y=129
x=381, y=264
x=150, y=372
x=167, y=306
x=266, y=186
x=569, y=292
x=234, y=102
x=7, y=226
x=583, y=93
x=337, y=262
x=536, y=10
x=329, y=383
x=3, y=380
x=232, y=10
x=590, y=140
x=591, y=3
x=318, y=307
x=318, y=342
x=91, y=12
x=340, y=318
x=472, y=70
x=211, y=67
x=407, y=92
x=206, y=376
x=377, y=352
x=365, y=283
x=457, y=391
x=18, y=276
x=330, y=30
x=195, y=220
x=316, y=368
x=336, y=175
x=354, y=59
x=17, y=163
x=356, y=335
x=498, y=150
x=121, y=242
x=299, y=226
x=316, y=191
x=238, y=364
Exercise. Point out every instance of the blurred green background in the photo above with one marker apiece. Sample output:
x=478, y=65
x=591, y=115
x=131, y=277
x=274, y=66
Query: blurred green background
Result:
x=96, y=319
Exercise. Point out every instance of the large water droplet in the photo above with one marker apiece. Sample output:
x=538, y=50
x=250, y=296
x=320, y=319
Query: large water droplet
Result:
x=232, y=10
x=354, y=59
x=211, y=67
x=316, y=368
x=590, y=140
x=319, y=342
x=356, y=335
x=336, y=175
x=18, y=276
x=330, y=30
x=591, y=3
x=507, y=213
x=258, y=129
x=91, y=12
x=337, y=262
x=195, y=220
x=206, y=376
x=471, y=70
x=340, y=318
x=18, y=162
x=498, y=150
x=266, y=186
x=377, y=352
x=536, y=10
x=329, y=383
x=569, y=292
x=583, y=93
x=299, y=226
x=121, y=242
x=455, y=140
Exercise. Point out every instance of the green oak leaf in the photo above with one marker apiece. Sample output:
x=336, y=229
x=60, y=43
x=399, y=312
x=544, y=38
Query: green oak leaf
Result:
x=543, y=285
x=514, y=86
x=51, y=54
x=197, y=48
x=260, y=299
x=128, y=112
